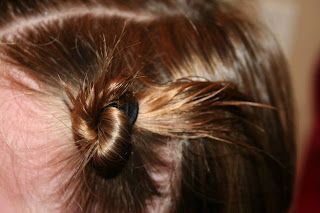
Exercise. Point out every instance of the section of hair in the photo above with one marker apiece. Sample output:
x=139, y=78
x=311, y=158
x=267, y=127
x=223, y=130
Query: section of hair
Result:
x=205, y=80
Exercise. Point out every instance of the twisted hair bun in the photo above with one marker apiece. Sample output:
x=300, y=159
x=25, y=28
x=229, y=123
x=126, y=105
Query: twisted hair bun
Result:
x=102, y=123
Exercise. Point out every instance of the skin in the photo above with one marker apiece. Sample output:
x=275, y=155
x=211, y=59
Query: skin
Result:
x=25, y=149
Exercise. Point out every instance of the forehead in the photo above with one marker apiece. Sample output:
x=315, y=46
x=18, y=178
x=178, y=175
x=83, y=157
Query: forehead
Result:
x=28, y=144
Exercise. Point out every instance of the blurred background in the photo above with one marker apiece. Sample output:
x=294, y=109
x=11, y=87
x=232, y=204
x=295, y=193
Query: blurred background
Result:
x=296, y=24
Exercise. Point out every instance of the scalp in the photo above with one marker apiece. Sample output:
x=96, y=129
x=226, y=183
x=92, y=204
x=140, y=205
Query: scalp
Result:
x=28, y=144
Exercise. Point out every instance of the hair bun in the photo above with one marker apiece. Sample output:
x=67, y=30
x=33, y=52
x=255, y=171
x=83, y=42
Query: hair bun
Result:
x=102, y=117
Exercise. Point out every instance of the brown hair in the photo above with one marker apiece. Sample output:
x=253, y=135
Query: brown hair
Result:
x=214, y=105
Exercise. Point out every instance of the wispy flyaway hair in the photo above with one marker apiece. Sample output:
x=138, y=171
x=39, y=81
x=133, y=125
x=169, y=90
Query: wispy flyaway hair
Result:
x=180, y=106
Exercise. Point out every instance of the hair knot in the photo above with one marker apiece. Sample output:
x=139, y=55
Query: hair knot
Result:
x=103, y=115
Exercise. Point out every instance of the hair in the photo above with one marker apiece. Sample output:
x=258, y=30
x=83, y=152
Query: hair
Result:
x=214, y=131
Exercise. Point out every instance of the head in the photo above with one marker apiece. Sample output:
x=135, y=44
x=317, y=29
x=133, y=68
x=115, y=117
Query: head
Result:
x=135, y=106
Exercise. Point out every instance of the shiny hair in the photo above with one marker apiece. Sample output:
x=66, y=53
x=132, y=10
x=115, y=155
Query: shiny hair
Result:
x=214, y=131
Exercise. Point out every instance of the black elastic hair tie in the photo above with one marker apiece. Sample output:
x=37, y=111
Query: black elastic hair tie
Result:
x=130, y=109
